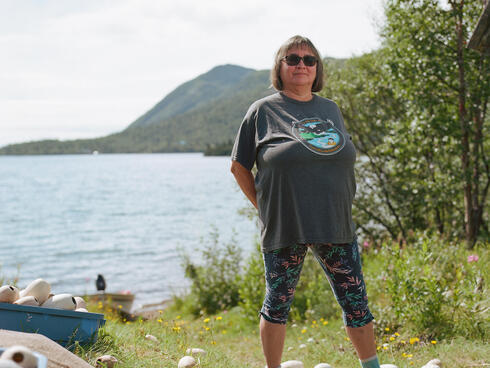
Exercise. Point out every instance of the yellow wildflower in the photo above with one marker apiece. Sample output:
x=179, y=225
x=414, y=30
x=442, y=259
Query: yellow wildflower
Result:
x=387, y=329
x=413, y=340
x=206, y=320
x=303, y=330
x=219, y=318
x=392, y=338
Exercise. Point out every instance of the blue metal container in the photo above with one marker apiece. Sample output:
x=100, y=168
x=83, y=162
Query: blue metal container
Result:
x=63, y=326
x=42, y=361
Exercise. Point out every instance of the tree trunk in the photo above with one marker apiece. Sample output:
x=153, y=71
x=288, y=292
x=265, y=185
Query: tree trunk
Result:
x=469, y=217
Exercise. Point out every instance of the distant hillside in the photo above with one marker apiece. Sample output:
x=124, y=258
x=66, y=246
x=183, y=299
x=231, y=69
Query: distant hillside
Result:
x=203, y=111
x=201, y=114
x=195, y=93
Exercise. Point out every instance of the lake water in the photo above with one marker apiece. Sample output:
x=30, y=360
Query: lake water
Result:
x=68, y=218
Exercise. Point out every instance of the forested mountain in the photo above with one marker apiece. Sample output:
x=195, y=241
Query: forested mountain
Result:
x=195, y=93
x=204, y=111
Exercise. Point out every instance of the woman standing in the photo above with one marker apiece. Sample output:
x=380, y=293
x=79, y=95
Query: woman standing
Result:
x=303, y=191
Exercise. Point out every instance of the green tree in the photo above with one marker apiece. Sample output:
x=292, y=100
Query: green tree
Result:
x=416, y=109
x=447, y=89
x=362, y=88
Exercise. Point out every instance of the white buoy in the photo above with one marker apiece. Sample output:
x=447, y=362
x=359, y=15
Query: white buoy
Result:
x=151, y=338
x=106, y=361
x=187, y=362
x=39, y=289
x=61, y=301
x=80, y=302
x=292, y=364
x=28, y=301
x=20, y=355
x=196, y=351
x=8, y=294
x=435, y=362
x=4, y=363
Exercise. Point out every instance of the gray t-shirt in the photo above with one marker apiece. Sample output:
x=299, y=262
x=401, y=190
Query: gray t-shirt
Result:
x=305, y=170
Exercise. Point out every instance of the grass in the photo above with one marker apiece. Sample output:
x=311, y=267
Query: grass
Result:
x=231, y=341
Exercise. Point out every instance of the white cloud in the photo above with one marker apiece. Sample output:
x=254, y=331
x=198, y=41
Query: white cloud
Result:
x=92, y=67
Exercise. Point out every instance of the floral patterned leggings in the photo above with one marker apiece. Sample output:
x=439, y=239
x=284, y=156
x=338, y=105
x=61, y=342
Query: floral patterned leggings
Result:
x=342, y=265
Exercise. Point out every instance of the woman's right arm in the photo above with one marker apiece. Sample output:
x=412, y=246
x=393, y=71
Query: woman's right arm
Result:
x=245, y=180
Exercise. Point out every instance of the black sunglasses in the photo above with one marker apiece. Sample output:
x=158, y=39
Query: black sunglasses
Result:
x=293, y=60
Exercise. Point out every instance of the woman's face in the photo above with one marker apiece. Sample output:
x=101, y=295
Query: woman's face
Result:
x=298, y=76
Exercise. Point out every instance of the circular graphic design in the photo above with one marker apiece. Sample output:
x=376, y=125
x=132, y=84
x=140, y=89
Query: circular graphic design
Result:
x=319, y=136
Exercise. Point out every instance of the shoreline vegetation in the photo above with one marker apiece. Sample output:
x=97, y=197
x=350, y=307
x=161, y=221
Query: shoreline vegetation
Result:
x=219, y=149
x=429, y=298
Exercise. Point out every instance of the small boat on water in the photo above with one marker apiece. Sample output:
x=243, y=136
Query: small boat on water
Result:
x=118, y=301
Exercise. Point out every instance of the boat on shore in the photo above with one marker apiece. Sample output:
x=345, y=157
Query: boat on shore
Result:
x=117, y=301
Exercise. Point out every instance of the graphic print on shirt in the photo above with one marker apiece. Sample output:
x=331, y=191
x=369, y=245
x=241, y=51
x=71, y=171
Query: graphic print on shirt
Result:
x=319, y=136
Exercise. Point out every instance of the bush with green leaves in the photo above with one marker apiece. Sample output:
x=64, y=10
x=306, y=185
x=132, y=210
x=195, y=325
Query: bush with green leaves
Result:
x=214, y=278
x=433, y=287
x=313, y=295
x=252, y=285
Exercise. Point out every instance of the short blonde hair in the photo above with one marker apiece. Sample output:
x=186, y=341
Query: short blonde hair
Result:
x=292, y=43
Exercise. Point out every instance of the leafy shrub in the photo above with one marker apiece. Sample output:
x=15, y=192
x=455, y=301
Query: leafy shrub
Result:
x=314, y=296
x=430, y=286
x=252, y=286
x=313, y=293
x=215, y=277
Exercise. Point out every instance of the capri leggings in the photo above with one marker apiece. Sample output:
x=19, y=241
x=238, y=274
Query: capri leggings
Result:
x=342, y=266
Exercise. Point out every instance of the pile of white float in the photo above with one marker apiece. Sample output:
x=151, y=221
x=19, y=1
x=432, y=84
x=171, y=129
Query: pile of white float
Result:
x=38, y=294
x=18, y=357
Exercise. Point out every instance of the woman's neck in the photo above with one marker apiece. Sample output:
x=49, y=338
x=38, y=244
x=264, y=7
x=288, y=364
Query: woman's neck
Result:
x=299, y=95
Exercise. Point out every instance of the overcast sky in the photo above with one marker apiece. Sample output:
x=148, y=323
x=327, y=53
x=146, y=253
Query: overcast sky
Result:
x=87, y=68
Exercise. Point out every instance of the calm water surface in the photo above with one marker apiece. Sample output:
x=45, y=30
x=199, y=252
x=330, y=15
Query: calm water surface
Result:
x=68, y=218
